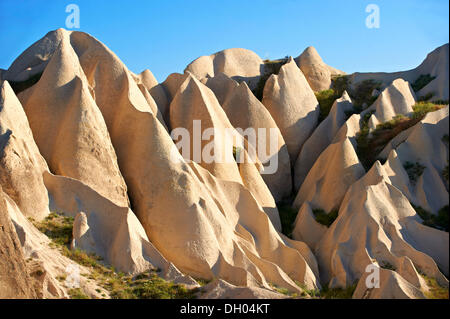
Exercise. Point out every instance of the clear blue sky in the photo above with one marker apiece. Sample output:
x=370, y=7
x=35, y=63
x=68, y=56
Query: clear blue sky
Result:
x=164, y=36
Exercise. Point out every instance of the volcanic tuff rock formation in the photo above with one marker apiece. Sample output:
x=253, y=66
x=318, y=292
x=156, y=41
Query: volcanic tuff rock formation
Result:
x=15, y=281
x=397, y=99
x=21, y=165
x=375, y=225
x=110, y=160
x=315, y=70
x=321, y=138
x=293, y=106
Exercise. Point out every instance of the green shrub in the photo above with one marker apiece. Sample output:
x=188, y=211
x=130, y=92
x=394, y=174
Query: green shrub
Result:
x=435, y=290
x=338, y=293
x=421, y=82
x=326, y=99
x=426, y=97
x=340, y=83
x=439, y=221
x=387, y=265
x=323, y=218
x=287, y=217
x=414, y=170
x=362, y=93
x=270, y=67
x=77, y=293
x=422, y=108
x=146, y=285
x=368, y=147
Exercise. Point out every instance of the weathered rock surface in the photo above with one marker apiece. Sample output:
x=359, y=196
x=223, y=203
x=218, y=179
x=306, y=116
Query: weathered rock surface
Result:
x=424, y=146
x=336, y=169
x=397, y=99
x=238, y=64
x=21, y=165
x=15, y=281
x=374, y=226
x=293, y=106
x=322, y=137
x=315, y=70
x=246, y=113
x=68, y=127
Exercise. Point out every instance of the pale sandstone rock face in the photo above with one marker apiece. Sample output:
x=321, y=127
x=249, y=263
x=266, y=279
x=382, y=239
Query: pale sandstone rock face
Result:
x=47, y=263
x=397, y=99
x=253, y=181
x=61, y=109
x=107, y=230
x=336, y=169
x=424, y=145
x=217, y=220
x=220, y=289
x=435, y=64
x=374, y=226
x=306, y=228
x=21, y=165
x=321, y=138
x=246, y=112
x=315, y=70
x=195, y=102
x=222, y=85
x=392, y=286
x=190, y=229
x=15, y=281
x=293, y=106
x=238, y=64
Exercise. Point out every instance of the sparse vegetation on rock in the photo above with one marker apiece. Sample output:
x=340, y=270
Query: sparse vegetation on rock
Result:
x=422, y=81
x=325, y=218
x=270, y=67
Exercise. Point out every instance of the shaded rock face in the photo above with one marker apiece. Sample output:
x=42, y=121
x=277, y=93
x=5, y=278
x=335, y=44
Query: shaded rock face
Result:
x=374, y=226
x=105, y=135
x=246, y=112
x=21, y=165
x=323, y=135
x=15, y=281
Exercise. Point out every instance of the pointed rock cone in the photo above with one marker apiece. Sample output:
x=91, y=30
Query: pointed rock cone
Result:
x=374, y=228
x=69, y=128
x=321, y=138
x=191, y=218
x=21, y=164
x=315, y=70
x=246, y=112
x=222, y=86
x=107, y=230
x=397, y=99
x=336, y=169
x=424, y=147
x=195, y=104
x=293, y=106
